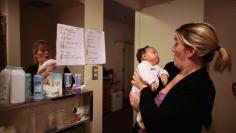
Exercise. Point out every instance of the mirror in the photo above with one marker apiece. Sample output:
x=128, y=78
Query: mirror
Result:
x=3, y=59
x=38, y=21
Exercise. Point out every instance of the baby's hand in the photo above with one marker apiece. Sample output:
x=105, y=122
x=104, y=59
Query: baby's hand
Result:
x=164, y=79
x=154, y=86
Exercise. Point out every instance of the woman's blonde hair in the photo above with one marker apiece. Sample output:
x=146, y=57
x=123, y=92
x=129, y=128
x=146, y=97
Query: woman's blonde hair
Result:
x=37, y=44
x=203, y=37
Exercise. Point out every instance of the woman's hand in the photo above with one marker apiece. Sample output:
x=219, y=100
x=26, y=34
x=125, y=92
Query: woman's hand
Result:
x=164, y=79
x=138, y=82
x=48, y=69
x=134, y=99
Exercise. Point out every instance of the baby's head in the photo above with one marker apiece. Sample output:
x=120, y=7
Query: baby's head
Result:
x=149, y=54
x=139, y=54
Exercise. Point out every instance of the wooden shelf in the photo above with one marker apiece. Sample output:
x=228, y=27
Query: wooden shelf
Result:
x=48, y=115
x=31, y=102
x=69, y=124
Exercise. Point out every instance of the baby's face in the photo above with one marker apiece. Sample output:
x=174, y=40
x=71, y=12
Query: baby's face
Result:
x=151, y=55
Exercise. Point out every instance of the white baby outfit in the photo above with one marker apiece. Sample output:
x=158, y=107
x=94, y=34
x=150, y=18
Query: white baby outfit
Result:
x=148, y=73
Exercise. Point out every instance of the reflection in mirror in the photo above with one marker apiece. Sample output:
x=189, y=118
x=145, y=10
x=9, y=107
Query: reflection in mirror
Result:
x=3, y=57
x=39, y=18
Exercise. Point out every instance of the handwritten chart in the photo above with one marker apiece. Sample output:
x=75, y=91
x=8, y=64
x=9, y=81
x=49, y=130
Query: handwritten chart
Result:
x=70, y=45
x=94, y=47
x=78, y=46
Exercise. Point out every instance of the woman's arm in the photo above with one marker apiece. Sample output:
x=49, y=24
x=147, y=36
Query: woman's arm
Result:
x=149, y=110
x=134, y=97
x=187, y=107
x=47, y=70
x=138, y=82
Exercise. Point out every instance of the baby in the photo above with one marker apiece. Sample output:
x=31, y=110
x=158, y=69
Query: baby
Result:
x=150, y=72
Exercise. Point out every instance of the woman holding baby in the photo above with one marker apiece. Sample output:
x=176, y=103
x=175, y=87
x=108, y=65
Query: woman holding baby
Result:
x=40, y=53
x=190, y=93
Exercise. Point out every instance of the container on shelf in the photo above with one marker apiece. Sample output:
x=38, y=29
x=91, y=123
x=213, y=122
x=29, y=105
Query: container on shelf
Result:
x=5, y=85
x=17, y=92
x=28, y=92
x=38, y=88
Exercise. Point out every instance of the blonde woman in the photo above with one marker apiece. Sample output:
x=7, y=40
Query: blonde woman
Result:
x=185, y=104
x=40, y=53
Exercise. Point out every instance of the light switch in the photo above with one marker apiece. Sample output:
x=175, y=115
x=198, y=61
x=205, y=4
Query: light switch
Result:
x=95, y=73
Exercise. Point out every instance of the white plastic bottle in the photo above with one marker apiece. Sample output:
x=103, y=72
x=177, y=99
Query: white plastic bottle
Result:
x=5, y=79
x=17, y=92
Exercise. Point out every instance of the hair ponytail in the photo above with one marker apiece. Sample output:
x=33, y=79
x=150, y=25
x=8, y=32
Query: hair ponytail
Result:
x=223, y=60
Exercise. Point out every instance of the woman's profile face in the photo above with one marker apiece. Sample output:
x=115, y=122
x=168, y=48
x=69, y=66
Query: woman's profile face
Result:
x=42, y=54
x=179, y=53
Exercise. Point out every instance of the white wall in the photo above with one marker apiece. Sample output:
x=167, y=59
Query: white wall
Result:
x=155, y=26
x=222, y=14
x=93, y=19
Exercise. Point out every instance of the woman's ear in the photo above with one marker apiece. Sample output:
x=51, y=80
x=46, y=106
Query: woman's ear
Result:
x=192, y=51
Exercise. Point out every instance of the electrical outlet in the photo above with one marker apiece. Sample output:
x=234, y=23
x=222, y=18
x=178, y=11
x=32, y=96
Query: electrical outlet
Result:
x=95, y=73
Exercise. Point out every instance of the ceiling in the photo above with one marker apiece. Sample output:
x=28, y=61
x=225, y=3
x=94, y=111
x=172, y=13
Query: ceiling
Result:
x=118, y=10
x=124, y=10
x=51, y=5
x=140, y=4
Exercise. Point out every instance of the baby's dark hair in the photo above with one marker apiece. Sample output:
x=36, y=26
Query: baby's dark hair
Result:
x=140, y=52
